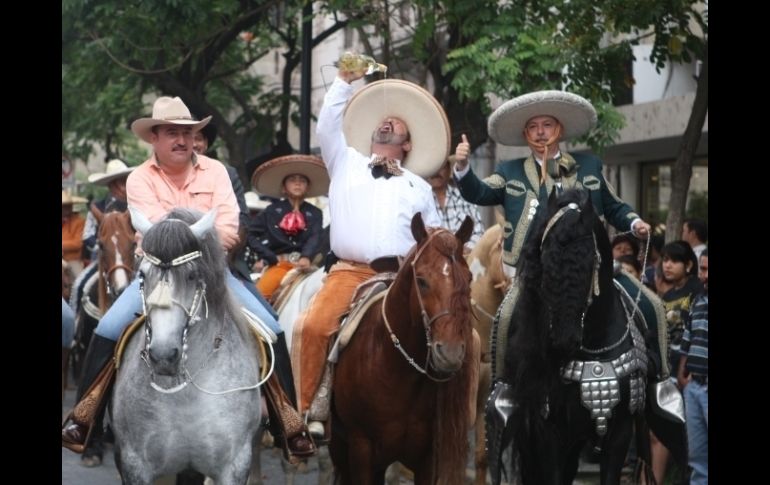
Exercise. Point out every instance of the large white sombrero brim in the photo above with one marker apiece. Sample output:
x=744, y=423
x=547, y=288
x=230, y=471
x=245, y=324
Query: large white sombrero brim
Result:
x=268, y=177
x=575, y=113
x=423, y=115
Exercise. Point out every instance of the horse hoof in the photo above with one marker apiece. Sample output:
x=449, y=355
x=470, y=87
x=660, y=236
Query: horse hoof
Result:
x=267, y=440
x=91, y=461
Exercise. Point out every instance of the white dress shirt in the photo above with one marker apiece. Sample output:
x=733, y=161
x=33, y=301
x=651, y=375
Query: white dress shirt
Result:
x=370, y=218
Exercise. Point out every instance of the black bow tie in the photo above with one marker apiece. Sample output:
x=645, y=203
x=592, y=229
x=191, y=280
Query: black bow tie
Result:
x=379, y=171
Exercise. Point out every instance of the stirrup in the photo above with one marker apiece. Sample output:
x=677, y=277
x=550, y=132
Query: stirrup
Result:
x=667, y=401
x=72, y=445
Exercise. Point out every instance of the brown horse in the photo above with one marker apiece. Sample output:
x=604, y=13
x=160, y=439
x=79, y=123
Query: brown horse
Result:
x=114, y=273
x=487, y=291
x=401, y=387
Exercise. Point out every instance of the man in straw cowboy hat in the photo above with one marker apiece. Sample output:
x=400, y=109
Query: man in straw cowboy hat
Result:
x=378, y=146
x=174, y=176
x=287, y=234
x=540, y=120
x=114, y=177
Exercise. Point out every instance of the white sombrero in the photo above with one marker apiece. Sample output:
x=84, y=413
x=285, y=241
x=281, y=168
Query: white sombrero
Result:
x=253, y=202
x=268, y=177
x=575, y=113
x=423, y=115
x=167, y=111
x=115, y=169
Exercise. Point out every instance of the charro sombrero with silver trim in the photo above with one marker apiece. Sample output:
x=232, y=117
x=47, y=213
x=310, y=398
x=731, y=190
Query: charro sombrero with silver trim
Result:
x=167, y=111
x=424, y=117
x=115, y=169
x=575, y=113
x=268, y=177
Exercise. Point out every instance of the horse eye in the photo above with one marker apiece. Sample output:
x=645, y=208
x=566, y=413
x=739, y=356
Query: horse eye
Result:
x=422, y=283
x=192, y=276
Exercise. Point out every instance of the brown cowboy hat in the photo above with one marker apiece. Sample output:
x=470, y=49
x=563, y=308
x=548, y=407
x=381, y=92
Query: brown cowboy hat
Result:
x=167, y=111
x=575, y=113
x=424, y=117
x=268, y=177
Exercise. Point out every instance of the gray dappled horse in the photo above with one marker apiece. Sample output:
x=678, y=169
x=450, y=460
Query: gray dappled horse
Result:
x=186, y=394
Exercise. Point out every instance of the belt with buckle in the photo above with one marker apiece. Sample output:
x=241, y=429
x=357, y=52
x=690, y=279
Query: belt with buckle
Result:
x=292, y=257
x=702, y=379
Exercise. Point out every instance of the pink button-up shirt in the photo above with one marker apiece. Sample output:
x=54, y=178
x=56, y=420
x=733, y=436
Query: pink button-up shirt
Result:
x=151, y=192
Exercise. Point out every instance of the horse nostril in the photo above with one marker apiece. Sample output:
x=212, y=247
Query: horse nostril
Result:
x=167, y=357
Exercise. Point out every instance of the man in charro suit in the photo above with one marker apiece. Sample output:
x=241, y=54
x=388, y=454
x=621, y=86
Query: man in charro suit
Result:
x=540, y=120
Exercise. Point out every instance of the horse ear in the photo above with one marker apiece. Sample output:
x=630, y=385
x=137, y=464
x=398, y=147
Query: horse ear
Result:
x=204, y=224
x=418, y=228
x=139, y=220
x=465, y=230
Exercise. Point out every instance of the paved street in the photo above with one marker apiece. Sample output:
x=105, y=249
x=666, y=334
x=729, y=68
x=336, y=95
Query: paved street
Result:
x=72, y=473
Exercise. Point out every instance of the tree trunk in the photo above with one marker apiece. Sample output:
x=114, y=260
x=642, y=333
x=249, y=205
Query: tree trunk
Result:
x=682, y=169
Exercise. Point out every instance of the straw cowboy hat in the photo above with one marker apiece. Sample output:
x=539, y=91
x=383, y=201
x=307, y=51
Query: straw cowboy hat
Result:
x=253, y=202
x=575, y=113
x=115, y=169
x=167, y=111
x=423, y=115
x=67, y=199
x=268, y=177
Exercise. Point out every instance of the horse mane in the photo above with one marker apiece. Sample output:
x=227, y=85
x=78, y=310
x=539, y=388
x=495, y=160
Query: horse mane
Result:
x=554, y=281
x=169, y=239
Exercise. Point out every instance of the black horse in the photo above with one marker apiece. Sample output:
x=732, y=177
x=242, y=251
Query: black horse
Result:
x=576, y=361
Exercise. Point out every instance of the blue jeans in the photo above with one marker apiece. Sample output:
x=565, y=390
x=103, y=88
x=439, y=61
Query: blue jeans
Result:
x=67, y=324
x=122, y=311
x=696, y=402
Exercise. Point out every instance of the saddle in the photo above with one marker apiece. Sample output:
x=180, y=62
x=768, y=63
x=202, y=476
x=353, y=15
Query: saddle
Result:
x=292, y=279
x=366, y=294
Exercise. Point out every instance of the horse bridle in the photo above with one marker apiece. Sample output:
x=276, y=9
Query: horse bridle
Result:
x=426, y=320
x=161, y=297
x=106, y=275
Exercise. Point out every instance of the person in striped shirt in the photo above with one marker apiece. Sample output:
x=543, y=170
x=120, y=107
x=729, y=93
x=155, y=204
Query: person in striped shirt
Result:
x=693, y=377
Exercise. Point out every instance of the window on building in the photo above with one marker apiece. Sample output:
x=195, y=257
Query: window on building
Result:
x=656, y=190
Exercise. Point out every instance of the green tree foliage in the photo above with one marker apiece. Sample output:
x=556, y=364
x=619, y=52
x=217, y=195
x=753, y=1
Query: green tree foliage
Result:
x=117, y=56
x=582, y=46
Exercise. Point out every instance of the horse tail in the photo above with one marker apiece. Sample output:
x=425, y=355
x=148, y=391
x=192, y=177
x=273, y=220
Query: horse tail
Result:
x=643, y=467
x=452, y=422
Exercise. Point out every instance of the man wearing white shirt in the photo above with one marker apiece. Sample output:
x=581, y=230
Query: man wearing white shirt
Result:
x=377, y=147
